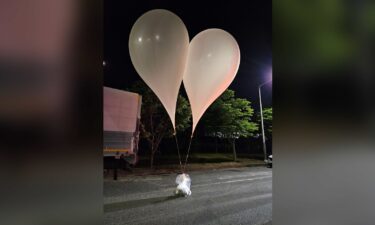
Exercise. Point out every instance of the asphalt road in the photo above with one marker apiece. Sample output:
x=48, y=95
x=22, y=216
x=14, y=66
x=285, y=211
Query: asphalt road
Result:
x=225, y=196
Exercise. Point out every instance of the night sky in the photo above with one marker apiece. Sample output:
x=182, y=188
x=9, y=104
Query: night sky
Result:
x=250, y=23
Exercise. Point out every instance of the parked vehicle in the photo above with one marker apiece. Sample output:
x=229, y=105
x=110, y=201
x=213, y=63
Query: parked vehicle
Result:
x=121, y=119
x=269, y=161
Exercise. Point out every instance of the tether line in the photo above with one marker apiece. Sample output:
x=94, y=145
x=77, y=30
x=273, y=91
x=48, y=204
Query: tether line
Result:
x=178, y=151
x=187, y=154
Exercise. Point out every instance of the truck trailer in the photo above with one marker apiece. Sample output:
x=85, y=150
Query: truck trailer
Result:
x=121, y=119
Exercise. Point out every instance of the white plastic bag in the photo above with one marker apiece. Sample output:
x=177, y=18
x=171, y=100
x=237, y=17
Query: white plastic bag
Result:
x=183, y=182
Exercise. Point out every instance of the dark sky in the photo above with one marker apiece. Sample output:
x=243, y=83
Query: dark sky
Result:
x=250, y=23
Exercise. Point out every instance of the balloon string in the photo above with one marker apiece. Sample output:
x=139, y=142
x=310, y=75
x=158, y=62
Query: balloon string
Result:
x=187, y=154
x=178, y=151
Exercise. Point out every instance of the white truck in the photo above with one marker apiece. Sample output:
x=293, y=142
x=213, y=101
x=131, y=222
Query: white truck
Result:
x=121, y=119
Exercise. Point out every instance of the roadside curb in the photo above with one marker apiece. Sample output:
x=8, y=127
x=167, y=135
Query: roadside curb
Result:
x=177, y=171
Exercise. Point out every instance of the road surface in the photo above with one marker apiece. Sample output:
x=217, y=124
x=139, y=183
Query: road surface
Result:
x=225, y=196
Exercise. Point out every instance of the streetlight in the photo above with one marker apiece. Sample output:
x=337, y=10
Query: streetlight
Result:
x=261, y=119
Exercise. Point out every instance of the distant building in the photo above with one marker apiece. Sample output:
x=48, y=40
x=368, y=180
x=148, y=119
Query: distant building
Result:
x=121, y=119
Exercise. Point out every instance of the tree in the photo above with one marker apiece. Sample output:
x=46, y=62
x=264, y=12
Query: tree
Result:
x=230, y=118
x=155, y=122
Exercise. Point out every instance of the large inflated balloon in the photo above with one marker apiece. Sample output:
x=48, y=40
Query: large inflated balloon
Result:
x=213, y=61
x=158, y=46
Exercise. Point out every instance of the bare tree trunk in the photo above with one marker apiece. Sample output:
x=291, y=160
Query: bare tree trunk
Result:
x=152, y=158
x=234, y=149
x=216, y=145
x=152, y=144
x=154, y=148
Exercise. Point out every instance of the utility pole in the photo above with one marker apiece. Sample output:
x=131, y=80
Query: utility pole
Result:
x=261, y=120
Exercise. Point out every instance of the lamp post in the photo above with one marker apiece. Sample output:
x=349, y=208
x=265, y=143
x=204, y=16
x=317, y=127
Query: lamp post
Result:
x=261, y=120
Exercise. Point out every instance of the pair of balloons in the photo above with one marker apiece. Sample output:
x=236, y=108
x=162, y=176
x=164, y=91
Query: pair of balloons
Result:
x=161, y=54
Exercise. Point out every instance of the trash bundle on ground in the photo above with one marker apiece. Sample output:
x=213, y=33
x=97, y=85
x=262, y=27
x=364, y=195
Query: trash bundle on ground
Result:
x=183, y=182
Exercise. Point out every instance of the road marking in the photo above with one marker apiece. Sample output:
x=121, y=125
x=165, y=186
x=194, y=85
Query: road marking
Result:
x=244, y=175
x=232, y=181
x=142, y=179
x=151, y=179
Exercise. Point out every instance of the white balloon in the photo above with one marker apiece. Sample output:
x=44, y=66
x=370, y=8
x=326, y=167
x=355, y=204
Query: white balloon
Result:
x=158, y=47
x=212, y=64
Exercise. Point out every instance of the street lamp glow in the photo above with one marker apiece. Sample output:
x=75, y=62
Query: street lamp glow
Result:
x=268, y=75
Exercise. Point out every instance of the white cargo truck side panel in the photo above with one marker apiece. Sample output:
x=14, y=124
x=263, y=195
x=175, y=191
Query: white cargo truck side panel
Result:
x=120, y=110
